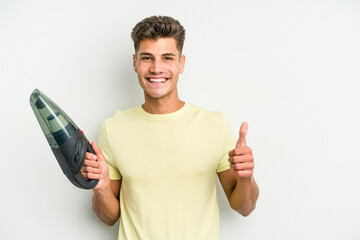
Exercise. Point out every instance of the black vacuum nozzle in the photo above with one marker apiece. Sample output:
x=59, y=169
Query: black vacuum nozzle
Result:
x=66, y=140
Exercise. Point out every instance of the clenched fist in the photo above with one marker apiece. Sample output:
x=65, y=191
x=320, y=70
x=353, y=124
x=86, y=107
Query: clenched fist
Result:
x=95, y=167
x=241, y=158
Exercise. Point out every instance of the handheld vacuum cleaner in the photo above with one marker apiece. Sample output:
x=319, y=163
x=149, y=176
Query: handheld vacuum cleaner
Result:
x=66, y=140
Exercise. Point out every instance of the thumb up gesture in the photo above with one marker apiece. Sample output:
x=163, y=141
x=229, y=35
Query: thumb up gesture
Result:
x=241, y=158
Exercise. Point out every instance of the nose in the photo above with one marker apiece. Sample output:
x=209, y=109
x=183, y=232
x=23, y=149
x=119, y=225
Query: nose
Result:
x=157, y=67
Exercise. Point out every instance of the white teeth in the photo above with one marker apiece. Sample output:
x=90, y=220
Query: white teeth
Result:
x=157, y=79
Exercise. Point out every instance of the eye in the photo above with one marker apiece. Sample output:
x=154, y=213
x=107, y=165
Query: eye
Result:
x=146, y=58
x=167, y=58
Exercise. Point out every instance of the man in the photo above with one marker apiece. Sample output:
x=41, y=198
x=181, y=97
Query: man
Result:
x=158, y=162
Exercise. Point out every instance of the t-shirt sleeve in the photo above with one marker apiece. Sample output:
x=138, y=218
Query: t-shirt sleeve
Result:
x=105, y=147
x=227, y=144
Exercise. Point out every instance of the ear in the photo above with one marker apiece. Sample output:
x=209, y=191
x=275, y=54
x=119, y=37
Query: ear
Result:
x=182, y=63
x=134, y=63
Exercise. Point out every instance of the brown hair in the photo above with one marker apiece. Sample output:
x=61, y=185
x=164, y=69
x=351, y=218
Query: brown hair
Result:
x=156, y=27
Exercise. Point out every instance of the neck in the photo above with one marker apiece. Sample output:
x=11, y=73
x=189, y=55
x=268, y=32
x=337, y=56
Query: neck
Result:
x=162, y=105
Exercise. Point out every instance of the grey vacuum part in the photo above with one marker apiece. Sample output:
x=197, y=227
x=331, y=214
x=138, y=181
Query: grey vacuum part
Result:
x=66, y=140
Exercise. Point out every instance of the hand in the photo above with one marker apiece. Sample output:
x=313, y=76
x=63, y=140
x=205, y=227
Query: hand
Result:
x=95, y=167
x=241, y=158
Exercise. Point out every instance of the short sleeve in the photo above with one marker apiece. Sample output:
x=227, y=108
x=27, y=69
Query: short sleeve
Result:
x=105, y=147
x=227, y=144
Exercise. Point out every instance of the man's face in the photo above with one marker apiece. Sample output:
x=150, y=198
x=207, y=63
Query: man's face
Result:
x=158, y=64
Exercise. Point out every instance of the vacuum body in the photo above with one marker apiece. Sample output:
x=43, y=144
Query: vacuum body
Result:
x=66, y=140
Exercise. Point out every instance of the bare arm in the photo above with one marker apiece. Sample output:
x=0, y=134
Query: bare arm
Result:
x=105, y=200
x=106, y=203
x=242, y=193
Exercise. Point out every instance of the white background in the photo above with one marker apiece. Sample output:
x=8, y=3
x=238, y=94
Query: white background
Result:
x=289, y=68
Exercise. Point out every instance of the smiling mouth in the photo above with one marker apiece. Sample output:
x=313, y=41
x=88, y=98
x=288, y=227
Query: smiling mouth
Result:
x=157, y=80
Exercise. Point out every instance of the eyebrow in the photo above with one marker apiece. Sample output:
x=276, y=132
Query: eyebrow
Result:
x=165, y=54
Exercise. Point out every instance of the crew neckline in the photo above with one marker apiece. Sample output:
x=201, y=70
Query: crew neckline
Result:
x=165, y=116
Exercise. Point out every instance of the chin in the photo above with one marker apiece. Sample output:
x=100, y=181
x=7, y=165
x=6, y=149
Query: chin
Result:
x=156, y=96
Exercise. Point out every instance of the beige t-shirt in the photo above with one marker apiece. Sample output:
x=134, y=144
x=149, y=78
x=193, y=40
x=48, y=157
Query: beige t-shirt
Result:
x=168, y=165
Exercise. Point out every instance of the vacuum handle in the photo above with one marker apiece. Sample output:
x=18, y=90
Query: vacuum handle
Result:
x=91, y=183
x=90, y=149
x=81, y=182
